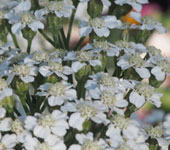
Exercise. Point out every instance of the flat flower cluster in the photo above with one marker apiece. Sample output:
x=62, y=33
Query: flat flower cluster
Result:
x=80, y=98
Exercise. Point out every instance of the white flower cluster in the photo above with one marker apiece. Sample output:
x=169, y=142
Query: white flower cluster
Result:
x=68, y=99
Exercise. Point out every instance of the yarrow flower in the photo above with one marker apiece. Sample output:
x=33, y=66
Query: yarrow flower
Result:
x=147, y=23
x=57, y=68
x=26, y=19
x=24, y=71
x=136, y=4
x=61, y=8
x=130, y=47
x=98, y=46
x=100, y=26
x=137, y=62
x=161, y=68
x=144, y=92
x=157, y=133
x=87, y=142
x=85, y=110
x=44, y=125
x=57, y=93
x=50, y=142
x=82, y=57
x=103, y=81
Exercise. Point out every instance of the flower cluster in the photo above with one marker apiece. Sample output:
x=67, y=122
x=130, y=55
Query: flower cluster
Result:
x=79, y=98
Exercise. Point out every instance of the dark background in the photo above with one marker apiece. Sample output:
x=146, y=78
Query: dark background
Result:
x=164, y=4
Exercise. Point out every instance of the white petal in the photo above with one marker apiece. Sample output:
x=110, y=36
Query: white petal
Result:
x=44, y=70
x=27, y=79
x=95, y=62
x=54, y=100
x=102, y=32
x=76, y=121
x=143, y=73
x=136, y=99
x=84, y=31
x=157, y=72
x=36, y=25
x=75, y=147
x=16, y=28
x=9, y=140
x=41, y=132
x=76, y=66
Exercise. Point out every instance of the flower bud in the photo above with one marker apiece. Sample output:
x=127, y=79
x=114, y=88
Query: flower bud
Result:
x=52, y=79
x=8, y=103
x=21, y=87
x=95, y=8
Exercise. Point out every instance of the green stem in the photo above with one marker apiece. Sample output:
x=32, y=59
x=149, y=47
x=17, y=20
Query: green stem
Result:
x=64, y=38
x=14, y=40
x=71, y=24
x=60, y=42
x=79, y=43
x=29, y=46
x=47, y=38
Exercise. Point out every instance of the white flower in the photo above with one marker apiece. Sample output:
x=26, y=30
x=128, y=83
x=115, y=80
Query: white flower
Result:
x=18, y=128
x=100, y=26
x=161, y=68
x=24, y=71
x=59, y=8
x=137, y=62
x=24, y=19
x=85, y=110
x=153, y=51
x=98, y=46
x=103, y=81
x=44, y=125
x=87, y=142
x=57, y=93
x=82, y=57
x=113, y=101
x=121, y=127
x=130, y=47
x=37, y=57
x=4, y=90
x=129, y=145
x=157, y=133
x=8, y=141
x=51, y=142
x=148, y=23
x=105, y=2
x=144, y=92
x=136, y=4
x=57, y=68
